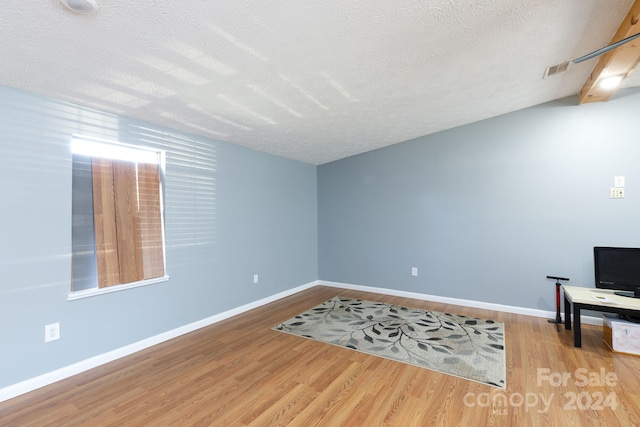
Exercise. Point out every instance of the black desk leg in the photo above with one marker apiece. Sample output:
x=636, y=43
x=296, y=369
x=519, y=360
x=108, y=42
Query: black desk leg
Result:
x=577, y=335
x=567, y=313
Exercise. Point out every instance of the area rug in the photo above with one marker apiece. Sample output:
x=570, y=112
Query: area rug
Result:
x=465, y=347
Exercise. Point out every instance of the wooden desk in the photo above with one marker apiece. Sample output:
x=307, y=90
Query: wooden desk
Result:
x=583, y=299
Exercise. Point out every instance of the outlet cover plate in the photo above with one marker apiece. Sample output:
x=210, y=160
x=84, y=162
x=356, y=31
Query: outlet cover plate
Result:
x=616, y=193
x=52, y=332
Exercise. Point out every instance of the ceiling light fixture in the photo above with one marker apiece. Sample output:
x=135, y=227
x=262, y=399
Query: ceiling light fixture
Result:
x=84, y=7
x=610, y=82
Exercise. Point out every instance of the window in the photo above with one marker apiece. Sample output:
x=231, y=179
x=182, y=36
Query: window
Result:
x=117, y=225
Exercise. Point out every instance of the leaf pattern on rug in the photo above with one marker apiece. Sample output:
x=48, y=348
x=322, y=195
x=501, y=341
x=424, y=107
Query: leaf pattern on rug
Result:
x=463, y=346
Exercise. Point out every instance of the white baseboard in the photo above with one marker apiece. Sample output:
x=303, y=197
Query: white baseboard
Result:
x=31, y=384
x=457, y=301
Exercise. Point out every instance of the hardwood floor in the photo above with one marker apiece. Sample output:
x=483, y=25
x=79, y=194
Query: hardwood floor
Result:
x=239, y=372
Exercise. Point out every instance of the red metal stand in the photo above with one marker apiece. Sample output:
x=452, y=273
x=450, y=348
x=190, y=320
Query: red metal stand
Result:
x=557, y=320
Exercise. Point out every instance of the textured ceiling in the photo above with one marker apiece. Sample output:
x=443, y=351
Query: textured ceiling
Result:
x=312, y=81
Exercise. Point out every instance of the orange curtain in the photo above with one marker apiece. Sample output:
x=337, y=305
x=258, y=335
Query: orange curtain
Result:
x=128, y=224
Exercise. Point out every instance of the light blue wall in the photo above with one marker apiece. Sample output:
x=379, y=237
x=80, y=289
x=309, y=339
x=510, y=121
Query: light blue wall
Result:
x=486, y=211
x=231, y=212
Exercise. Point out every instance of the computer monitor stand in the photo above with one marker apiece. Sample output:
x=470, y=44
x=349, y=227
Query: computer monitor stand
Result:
x=631, y=294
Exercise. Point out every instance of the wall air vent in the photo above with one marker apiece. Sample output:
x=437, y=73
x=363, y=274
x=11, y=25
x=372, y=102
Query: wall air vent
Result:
x=553, y=70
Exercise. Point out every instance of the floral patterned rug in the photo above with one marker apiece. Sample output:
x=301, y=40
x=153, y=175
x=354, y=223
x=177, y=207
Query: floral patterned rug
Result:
x=465, y=347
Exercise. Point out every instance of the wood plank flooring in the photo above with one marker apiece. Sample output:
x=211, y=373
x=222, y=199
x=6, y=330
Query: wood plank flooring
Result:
x=239, y=372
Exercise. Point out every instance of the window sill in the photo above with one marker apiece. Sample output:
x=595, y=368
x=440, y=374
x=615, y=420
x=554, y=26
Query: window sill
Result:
x=99, y=291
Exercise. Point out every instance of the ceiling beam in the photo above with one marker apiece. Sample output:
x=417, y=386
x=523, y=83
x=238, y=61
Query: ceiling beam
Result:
x=617, y=62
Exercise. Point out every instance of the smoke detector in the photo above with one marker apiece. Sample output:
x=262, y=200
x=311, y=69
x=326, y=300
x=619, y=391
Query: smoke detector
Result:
x=84, y=7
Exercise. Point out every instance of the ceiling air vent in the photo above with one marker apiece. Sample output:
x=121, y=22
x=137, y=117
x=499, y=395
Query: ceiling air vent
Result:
x=560, y=68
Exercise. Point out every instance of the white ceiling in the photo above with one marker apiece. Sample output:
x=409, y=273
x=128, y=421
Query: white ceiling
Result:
x=313, y=81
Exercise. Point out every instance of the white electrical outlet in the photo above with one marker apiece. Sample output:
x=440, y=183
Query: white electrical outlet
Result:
x=255, y=278
x=616, y=193
x=52, y=332
x=414, y=271
x=618, y=181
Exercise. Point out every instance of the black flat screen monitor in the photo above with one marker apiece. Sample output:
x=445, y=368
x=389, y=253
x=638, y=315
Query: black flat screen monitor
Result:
x=619, y=269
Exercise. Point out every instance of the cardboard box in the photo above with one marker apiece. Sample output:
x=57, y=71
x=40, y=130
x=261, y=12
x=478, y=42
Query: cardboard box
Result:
x=621, y=335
